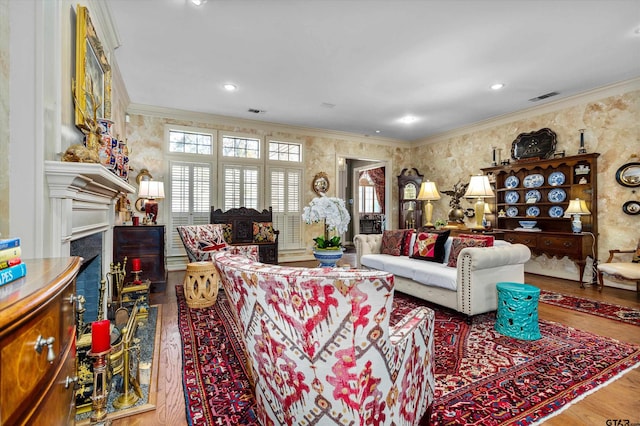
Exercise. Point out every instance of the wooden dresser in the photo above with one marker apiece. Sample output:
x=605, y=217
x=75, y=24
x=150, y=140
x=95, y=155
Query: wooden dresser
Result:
x=36, y=387
x=146, y=243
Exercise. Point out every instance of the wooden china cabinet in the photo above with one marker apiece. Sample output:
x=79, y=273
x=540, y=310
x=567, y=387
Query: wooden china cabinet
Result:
x=540, y=190
x=410, y=209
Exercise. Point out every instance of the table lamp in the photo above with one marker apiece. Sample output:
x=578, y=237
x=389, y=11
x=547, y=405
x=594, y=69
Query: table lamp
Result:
x=479, y=187
x=577, y=208
x=151, y=190
x=428, y=192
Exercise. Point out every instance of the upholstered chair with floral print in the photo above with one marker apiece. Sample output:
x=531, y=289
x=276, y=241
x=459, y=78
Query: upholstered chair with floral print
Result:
x=202, y=241
x=320, y=347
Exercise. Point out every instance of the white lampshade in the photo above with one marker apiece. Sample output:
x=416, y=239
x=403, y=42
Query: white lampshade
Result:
x=479, y=186
x=151, y=189
x=428, y=191
x=577, y=207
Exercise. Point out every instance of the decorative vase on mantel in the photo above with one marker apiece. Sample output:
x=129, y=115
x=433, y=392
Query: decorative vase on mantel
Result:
x=328, y=257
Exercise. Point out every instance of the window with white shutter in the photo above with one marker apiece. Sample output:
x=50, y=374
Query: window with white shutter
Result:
x=285, y=199
x=240, y=186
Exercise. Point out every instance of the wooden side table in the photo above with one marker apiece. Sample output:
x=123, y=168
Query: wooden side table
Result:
x=201, y=283
x=146, y=243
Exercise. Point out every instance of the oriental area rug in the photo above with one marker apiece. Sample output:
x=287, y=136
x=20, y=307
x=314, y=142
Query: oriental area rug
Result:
x=593, y=307
x=482, y=377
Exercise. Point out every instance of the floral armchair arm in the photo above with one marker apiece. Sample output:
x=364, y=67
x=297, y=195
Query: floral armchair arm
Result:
x=412, y=339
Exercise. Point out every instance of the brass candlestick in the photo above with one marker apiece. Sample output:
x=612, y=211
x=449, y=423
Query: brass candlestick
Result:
x=100, y=391
x=127, y=399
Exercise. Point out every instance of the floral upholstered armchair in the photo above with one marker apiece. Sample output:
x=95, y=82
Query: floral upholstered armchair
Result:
x=202, y=241
x=320, y=348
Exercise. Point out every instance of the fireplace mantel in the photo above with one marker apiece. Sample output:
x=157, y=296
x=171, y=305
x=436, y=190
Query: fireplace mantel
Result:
x=82, y=198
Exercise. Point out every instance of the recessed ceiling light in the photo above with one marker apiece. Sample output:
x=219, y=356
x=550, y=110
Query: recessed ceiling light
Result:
x=408, y=119
x=230, y=87
x=497, y=86
x=377, y=131
x=198, y=2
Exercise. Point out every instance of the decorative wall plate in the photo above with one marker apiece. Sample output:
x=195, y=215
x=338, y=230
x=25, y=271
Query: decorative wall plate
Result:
x=557, y=195
x=556, y=211
x=535, y=194
x=512, y=211
x=533, y=211
x=540, y=144
x=556, y=178
x=320, y=184
x=511, y=182
x=533, y=181
x=511, y=197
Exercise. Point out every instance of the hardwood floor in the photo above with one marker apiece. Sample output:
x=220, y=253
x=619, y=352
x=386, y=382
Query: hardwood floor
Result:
x=618, y=400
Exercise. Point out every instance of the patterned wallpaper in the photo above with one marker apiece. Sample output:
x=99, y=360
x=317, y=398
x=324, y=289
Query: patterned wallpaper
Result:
x=612, y=128
x=4, y=117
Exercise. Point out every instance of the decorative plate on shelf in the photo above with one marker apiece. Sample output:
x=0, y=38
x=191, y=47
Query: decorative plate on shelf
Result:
x=556, y=211
x=533, y=211
x=511, y=197
x=511, y=182
x=533, y=181
x=535, y=194
x=557, y=195
x=512, y=211
x=556, y=178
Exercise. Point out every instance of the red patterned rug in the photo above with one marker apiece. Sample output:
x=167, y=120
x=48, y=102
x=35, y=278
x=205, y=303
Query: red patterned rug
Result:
x=482, y=377
x=593, y=307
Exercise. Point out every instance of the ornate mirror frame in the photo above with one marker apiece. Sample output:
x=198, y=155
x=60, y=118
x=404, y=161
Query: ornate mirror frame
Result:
x=320, y=183
x=629, y=175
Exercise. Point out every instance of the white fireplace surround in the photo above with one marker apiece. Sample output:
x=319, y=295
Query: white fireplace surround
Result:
x=83, y=197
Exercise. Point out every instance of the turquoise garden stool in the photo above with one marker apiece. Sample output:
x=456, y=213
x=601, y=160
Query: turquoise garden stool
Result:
x=517, y=314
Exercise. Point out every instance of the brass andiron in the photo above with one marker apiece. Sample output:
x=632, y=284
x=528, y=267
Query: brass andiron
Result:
x=127, y=399
x=118, y=273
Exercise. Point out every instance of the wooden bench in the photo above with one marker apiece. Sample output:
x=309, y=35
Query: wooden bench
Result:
x=240, y=224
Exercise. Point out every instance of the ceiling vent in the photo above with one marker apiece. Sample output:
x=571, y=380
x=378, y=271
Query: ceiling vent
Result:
x=545, y=96
x=256, y=111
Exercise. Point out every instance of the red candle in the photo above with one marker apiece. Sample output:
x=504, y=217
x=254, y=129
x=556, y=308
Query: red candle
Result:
x=100, y=336
x=135, y=263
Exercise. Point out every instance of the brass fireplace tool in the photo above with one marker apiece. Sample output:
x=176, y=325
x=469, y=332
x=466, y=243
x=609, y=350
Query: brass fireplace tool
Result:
x=129, y=378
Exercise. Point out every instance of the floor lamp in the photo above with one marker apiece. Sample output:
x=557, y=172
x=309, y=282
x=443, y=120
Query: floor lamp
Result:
x=428, y=192
x=479, y=187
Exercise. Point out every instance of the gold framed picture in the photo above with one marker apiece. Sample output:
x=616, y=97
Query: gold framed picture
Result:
x=92, y=87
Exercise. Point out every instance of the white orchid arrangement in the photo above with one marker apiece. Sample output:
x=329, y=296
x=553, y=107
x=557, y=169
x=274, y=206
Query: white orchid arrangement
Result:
x=335, y=215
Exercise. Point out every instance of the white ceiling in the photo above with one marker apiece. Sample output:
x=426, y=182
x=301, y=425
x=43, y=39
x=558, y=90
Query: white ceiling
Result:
x=374, y=60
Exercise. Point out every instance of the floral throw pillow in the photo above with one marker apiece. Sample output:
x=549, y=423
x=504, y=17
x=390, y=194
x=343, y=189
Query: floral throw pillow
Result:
x=392, y=242
x=227, y=232
x=458, y=243
x=488, y=238
x=263, y=232
x=430, y=246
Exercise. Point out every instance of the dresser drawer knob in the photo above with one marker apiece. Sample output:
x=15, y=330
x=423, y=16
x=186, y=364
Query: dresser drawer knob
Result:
x=41, y=343
x=70, y=380
x=80, y=299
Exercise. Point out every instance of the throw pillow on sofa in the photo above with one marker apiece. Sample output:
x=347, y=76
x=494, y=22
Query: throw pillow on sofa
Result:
x=488, y=238
x=392, y=242
x=406, y=244
x=211, y=238
x=430, y=246
x=458, y=243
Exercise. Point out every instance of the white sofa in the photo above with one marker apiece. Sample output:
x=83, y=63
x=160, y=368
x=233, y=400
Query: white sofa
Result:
x=469, y=288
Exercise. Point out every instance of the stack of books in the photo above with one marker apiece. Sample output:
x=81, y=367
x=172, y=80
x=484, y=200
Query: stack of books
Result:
x=11, y=266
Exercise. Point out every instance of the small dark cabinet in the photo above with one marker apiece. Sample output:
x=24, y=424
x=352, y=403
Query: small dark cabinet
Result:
x=146, y=243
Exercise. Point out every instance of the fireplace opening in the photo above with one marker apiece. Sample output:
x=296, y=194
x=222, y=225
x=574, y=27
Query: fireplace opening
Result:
x=88, y=279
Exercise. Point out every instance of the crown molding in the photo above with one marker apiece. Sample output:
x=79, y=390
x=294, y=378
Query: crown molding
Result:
x=571, y=101
x=264, y=127
x=104, y=19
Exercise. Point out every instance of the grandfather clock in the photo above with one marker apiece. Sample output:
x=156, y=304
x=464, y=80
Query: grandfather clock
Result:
x=410, y=209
